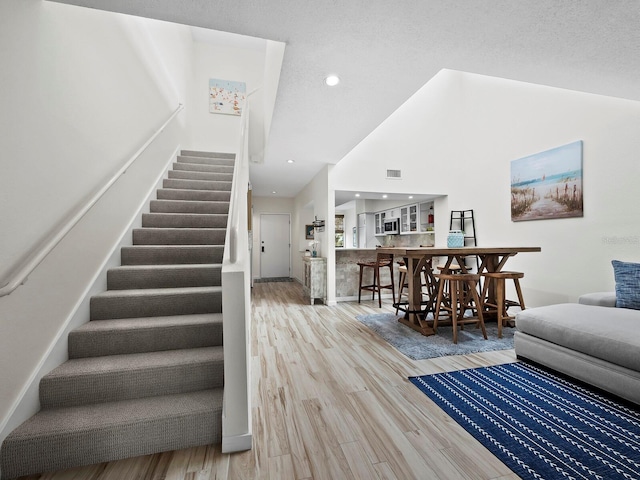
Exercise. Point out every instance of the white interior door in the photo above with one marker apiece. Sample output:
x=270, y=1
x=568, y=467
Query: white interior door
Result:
x=275, y=245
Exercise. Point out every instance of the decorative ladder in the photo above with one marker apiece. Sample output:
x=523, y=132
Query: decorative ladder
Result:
x=463, y=220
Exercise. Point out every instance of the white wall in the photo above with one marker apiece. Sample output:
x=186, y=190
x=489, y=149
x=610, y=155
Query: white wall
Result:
x=457, y=136
x=267, y=205
x=73, y=79
x=82, y=90
x=317, y=199
x=215, y=132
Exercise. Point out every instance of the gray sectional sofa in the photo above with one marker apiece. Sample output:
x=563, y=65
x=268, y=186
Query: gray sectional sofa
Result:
x=592, y=341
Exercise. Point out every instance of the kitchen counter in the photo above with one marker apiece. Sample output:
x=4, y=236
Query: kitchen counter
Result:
x=348, y=272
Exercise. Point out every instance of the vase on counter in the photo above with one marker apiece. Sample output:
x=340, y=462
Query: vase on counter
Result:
x=314, y=244
x=455, y=239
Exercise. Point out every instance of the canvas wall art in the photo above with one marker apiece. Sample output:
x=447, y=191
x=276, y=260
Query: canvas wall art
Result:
x=548, y=184
x=308, y=232
x=226, y=96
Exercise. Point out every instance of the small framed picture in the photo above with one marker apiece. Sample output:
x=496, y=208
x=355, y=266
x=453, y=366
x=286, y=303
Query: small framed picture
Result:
x=308, y=232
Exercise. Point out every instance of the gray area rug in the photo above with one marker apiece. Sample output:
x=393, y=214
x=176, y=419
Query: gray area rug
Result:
x=418, y=347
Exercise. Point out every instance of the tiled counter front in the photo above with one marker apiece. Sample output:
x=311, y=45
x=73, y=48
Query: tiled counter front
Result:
x=347, y=273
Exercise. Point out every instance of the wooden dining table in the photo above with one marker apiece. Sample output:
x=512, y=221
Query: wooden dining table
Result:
x=419, y=259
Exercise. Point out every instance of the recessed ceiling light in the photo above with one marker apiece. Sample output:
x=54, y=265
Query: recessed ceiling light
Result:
x=384, y=196
x=357, y=194
x=274, y=192
x=291, y=161
x=332, y=80
x=410, y=197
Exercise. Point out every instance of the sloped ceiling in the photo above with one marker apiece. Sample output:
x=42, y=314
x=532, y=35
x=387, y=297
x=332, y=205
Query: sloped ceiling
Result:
x=385, y=51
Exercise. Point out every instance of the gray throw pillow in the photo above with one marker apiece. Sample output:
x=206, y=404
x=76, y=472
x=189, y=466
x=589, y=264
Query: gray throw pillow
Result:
x=627, y=276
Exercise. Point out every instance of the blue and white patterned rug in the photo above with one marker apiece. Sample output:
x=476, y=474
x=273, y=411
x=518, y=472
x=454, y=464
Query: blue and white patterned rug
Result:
x=418, y=347
x=538, y=424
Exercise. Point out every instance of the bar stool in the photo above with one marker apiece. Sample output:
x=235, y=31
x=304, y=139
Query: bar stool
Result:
x=403, y=283
x=382, y=260
x=454, y=269
x=502, y=304
x=464, y=296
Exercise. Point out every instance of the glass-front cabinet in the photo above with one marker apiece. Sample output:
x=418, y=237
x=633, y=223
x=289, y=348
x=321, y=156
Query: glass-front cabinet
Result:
x=416, y=218
x=409, y=219
x=339, y=231
x=379, y=221
x=426, y=217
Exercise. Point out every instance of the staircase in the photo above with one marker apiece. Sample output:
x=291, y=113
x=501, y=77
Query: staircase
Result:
x=145, y=375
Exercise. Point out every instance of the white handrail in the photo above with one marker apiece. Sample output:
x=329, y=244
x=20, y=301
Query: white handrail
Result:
x=36, y=257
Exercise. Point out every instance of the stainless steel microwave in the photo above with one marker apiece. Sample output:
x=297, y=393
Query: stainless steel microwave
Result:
x=391, y=226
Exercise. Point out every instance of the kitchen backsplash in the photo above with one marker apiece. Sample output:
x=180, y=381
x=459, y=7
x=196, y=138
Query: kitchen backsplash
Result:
x=414, y=240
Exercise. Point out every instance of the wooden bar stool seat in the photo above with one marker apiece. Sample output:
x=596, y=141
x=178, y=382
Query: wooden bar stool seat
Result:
x=463, y=291
x=383, y=260
x=453, y=268
x=501, y=305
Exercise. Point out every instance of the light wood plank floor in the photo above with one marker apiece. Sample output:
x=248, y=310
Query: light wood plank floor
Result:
x=331, y=400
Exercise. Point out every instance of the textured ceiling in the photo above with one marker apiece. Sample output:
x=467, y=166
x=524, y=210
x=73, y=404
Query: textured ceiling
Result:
x=385, y=51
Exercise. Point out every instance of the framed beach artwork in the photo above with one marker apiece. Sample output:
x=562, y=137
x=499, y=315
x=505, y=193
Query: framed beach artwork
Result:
x=548, y=184
x=226, y=96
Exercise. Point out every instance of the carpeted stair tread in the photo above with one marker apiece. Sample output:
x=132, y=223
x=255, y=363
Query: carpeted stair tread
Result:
x=190, y=201
x=153, y=302
x=164, y=276
x=194, y=160
x=61, y=438
x=199, y=154
x=155, y=292
x=145, y=334
x=179, y=236
x=206, y=176
x=171, y=254
x=202, y=167
x=196, y=184
x=184, y=220
x=137, y=375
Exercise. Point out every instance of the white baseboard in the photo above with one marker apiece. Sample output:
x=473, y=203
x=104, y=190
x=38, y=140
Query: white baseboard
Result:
x=237, y=443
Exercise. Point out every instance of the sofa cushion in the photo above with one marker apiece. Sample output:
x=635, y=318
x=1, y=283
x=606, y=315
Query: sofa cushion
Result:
x=603, y=299
x=611, y=334
x=627, y=276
